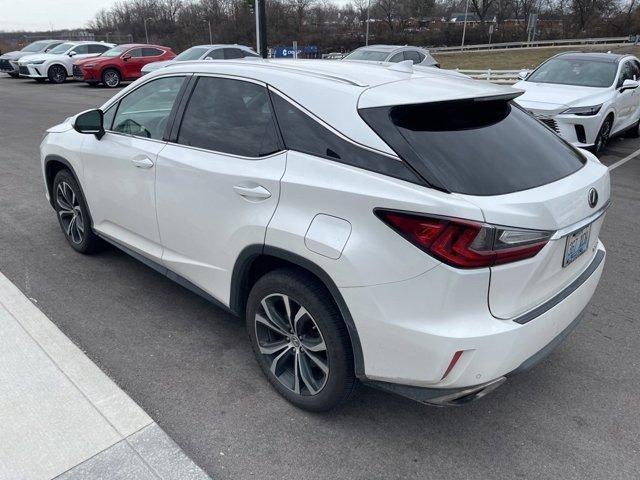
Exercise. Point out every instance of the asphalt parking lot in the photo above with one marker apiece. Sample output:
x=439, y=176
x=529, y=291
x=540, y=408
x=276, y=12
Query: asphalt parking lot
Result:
x=190, y=366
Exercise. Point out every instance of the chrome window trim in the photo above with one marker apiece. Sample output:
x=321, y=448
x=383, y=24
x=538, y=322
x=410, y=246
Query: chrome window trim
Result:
x=117, y=100
x=226, y=154
x=124, y=93
x=329, y=127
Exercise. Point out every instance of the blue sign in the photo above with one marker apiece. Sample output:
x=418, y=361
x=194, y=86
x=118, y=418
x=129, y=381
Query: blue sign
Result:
x=287, y=52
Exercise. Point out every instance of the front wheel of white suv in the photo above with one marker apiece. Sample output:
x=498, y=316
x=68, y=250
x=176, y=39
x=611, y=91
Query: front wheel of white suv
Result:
x=73, y=214
x=300, y=340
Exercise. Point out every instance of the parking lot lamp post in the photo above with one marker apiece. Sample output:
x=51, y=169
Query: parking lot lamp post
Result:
x=210, y=35
x=366, y=37
x=146, y=33
x=464, y=26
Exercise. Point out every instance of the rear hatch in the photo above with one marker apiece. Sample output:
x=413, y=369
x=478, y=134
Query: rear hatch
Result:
x=559, y=206
x=490, y=152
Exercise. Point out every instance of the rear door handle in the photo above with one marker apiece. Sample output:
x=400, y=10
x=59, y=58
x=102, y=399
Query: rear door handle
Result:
x=142, y=162
x=257, y=193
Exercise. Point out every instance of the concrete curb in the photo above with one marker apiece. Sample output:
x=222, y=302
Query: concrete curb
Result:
x=62, y=417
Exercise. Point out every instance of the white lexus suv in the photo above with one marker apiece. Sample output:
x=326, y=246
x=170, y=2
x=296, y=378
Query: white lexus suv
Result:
x=417, y=231
x=585, y=97
x=57, y=64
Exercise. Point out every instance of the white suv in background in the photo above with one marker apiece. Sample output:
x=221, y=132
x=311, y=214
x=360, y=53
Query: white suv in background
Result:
x=414, y=230
x=57, y=64
x=585, y=97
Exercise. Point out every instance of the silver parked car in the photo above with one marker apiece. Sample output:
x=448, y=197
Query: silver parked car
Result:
x=204, y=52
x=9, y=61
x=393, y=54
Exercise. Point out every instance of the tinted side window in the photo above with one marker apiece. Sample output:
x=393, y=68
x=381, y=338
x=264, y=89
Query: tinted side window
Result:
x=249, y=54
x=303, y=134
x=98, y=48
x=231, y=53
x=229, y=116
x=627, y=72
x=81, y=49
x=136, y=52
x=217, y=54
x=151, y=52
x=398, y=57
x=145, y=111
x=414, y=56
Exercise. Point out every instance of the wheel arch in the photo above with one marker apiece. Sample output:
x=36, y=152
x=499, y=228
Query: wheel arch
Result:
x=57, y=64
x=111, y=66
x=52, y=165
x=256, y=260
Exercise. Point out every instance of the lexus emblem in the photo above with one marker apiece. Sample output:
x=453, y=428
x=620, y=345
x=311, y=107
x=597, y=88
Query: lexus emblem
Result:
x=592, y=198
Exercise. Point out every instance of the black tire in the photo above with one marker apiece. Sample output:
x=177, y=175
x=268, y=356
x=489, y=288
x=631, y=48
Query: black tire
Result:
x=603, y=136
x=66, y=193
x=14, y=75
x=321, y=326
x=57, y=74
x=111, y=78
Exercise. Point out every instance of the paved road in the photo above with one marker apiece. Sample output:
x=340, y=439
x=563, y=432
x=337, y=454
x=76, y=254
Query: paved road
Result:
x=189, y=365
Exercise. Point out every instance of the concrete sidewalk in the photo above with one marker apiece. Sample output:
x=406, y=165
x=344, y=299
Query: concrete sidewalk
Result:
x=62, y=417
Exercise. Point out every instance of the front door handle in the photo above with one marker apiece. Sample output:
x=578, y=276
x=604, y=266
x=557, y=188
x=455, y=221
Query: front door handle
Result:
x=142, y=162
x=257, y=193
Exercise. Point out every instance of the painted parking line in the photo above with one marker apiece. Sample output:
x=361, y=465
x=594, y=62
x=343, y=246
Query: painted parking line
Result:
x=624, y=160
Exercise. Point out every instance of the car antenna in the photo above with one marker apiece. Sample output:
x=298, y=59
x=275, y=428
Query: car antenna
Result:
x=405, y=66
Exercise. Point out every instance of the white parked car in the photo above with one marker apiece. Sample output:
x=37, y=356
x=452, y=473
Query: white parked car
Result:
x=204, y=52
x=585, y=97
x=392, y=54
x=414, y=230
x=57, y=64
x=9, y=60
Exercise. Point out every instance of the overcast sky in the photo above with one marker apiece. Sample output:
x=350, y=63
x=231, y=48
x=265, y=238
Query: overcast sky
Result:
x=53, y=14
x=47, y=14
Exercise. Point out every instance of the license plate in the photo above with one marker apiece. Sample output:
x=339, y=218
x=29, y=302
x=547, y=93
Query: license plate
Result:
x=577, y=244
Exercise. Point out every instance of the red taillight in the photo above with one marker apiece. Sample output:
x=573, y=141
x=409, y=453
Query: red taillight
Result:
x=463, y=243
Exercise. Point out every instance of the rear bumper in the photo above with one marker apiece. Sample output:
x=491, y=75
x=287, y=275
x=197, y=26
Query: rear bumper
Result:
x=408, y=352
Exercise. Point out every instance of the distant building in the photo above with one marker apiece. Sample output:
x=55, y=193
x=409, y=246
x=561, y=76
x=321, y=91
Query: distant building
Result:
x=460, y=17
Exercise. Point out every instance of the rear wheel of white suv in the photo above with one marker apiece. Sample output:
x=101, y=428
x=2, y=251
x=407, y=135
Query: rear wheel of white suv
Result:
x=300, y=340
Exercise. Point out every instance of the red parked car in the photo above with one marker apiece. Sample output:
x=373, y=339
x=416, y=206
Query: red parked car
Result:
x=119, y=64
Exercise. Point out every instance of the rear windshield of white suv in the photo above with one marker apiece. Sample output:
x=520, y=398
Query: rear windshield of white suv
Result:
x=475, y=147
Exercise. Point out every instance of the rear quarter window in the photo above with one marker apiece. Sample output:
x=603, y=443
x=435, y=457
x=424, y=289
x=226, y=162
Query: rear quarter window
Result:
x=475, y=147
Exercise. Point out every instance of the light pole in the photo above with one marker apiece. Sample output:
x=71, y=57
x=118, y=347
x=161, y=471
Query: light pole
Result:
x=146, y=34
x=210, y=35
x=464, y=27
x=366, y=37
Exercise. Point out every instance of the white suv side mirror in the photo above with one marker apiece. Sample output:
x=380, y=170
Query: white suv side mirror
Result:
x=629, y=84
x=72, y=53
x=523, y=74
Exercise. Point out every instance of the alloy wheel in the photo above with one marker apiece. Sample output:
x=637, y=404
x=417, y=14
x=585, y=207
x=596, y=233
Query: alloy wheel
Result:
x=111, y=79
x=58, y=74
x=70, y=213
x=291, y=342
x=603, y=136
